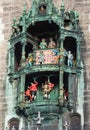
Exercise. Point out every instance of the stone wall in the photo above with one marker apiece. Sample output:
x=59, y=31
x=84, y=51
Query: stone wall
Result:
x=83, y=7
x=10, y=9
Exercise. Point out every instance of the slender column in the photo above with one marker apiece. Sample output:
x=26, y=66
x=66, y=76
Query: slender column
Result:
x=62, y=51
x=33, y=9
x=62, y=40
x=22, y=124
x=28, y=125
x=22, y=88
x=11, y=59
x=80, y=97
x=60, y=123
x=74, y=87
x=24, y=19
x=9, y=63
x=70, y=87
x=61, y=71
x=62, y=13
x=61, y=87
x=50, y=7
x=23, y=54
x=18, y=89
x=78, y=54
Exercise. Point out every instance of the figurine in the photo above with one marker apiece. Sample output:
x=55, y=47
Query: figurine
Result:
x=42, y=9
x=39, y=118
x=33, y=89
x=43, y=44
x=41, y=57
x=63, y=54
x=47, y=88
x=29, y=60
x=52, y=43
x=15, y=28
x=70, y=59
x=28, y=96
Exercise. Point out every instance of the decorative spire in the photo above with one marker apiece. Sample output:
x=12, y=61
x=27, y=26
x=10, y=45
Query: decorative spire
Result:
x=39, y=118
x=62, y=13
x=24, y=16
x=62, y=5
x=24, y=10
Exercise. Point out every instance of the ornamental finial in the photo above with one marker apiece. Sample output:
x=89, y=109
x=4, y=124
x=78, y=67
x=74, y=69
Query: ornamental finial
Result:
x=62, y=4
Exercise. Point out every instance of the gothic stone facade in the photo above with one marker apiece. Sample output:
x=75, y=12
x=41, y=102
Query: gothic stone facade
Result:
x=13, y=8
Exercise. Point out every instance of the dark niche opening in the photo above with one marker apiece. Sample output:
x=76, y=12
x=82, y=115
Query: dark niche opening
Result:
x=18, y=54
x=44, y=29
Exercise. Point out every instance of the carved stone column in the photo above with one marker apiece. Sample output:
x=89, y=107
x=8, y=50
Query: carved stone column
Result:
x=23, y=52
x=78, y=54
x=11, y=60
x=61, y=72
x=70, y=91
x=22, y=88
x=62, y=41
x=62, y=14
x=61, y=87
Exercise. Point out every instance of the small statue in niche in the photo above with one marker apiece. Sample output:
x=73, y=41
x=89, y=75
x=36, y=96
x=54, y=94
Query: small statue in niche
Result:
x=47, y=88
x=28, y=96
x=70, y=59
x=42, y=9
x=29, y=60
x=52, y=43
x=67, y=21
x=33, y=89
x=43, y=44
x=41, y=57
x=15, y=28
x=63, y=54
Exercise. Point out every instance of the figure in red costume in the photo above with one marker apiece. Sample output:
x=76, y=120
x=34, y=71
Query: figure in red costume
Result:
x=33, y=89
x=28, y=96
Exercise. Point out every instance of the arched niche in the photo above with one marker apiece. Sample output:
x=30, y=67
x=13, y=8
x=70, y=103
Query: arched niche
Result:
x=70, y=87
x=42, y=8
x=71, y=121
x=13, y=124
x=65, y=81
x=43, y=79
x=43, y=29
x=70, y=45
x=18, y=55
x=28, y=49
x=75, y=121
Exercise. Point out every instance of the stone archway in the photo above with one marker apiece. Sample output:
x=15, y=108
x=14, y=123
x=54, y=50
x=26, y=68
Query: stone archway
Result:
x=13, y=124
